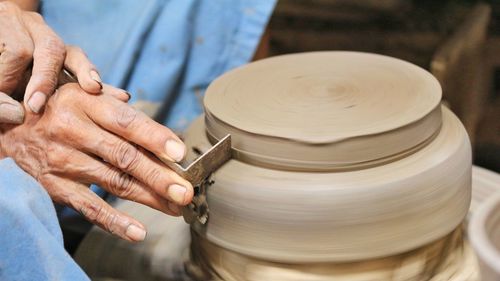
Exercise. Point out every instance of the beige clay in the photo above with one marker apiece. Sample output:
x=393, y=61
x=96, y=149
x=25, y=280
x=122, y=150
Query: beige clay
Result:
x=325, y=110
x=167, y=245
x=340, y=156
x=315, y=217
x=446, y=259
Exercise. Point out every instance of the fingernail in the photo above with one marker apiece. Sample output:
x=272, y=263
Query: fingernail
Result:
x=175, y=149
x=128, y=94
x=135, y=233
x=95, y=76
x=37, y=101
x=177, y=193
x=11, y=113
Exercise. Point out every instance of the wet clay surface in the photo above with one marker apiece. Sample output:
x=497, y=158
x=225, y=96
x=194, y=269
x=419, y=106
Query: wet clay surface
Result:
x=338, y=157
x=447, y=259
x=324, y=110
x=343, y=216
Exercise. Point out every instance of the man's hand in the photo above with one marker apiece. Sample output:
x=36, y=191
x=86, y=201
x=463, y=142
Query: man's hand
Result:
x=26, y=38
x=82, y=139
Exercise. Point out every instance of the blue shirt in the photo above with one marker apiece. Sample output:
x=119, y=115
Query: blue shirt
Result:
x=162, y=51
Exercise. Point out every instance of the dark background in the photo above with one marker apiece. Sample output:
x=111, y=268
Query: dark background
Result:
x=458, y=41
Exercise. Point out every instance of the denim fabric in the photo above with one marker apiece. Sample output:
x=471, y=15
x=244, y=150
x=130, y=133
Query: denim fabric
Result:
x=31, y=245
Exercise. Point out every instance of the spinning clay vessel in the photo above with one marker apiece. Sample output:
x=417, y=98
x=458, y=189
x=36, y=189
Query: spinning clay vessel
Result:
x=338, y=158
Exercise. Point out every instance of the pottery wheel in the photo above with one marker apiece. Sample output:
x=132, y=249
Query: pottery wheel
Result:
x=339, y=156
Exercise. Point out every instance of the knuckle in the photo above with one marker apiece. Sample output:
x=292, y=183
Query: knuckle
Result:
x=126, y=116
x=154, y=178
x=126, y=156
x=57, y=157
x=58, y=126
x=53, y=130
x=74, y=49
x=54, y=48
x=93, y=212
x=34, y=16
x=66, y=100
x=121, y=184
x=97, y=214
x=69, y=93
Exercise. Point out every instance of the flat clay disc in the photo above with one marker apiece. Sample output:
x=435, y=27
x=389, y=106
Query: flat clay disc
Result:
x=324, y=110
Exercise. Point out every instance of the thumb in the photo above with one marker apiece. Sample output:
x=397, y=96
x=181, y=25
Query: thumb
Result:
x=11, y=111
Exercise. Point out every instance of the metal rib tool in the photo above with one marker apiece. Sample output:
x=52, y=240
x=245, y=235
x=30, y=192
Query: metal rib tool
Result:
x=207, y=163
x=197, y=173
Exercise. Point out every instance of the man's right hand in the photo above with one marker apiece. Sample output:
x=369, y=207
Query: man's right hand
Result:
x=82, y=139
x=24, y=39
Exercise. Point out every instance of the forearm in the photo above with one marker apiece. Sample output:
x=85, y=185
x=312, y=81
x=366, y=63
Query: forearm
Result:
x=27, y=5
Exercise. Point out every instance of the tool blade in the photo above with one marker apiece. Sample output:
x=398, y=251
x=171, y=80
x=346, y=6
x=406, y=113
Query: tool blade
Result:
x=207, y=163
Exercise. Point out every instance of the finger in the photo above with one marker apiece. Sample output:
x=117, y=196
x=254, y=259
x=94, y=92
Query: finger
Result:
x=48, y=58
x=77, y=62
x=17, y=49
x=120, y=94
x=129, y=159
x=86, y=169
x=11, y=111
x=137, y=128
x=93, y=208
x=127, y=187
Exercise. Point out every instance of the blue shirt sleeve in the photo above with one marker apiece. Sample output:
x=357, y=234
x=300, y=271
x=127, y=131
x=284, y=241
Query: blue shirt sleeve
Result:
x=164, y=52
x=31, y=241
x=210, y=38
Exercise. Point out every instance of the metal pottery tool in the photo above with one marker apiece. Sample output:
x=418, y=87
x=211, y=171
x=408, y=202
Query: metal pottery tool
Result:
x=198, y=173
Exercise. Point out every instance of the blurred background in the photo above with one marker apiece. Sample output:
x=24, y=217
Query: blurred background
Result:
x=456, y=40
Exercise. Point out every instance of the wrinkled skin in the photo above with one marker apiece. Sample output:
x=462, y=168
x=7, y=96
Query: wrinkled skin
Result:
x=82, y=139
x=26, y=39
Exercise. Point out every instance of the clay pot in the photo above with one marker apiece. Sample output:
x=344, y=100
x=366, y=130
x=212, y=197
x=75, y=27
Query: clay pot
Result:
x=353, y=215
x=484, y=235
x=338, y=157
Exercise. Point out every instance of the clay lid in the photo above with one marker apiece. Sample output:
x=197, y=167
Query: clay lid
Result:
x=324, y=110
